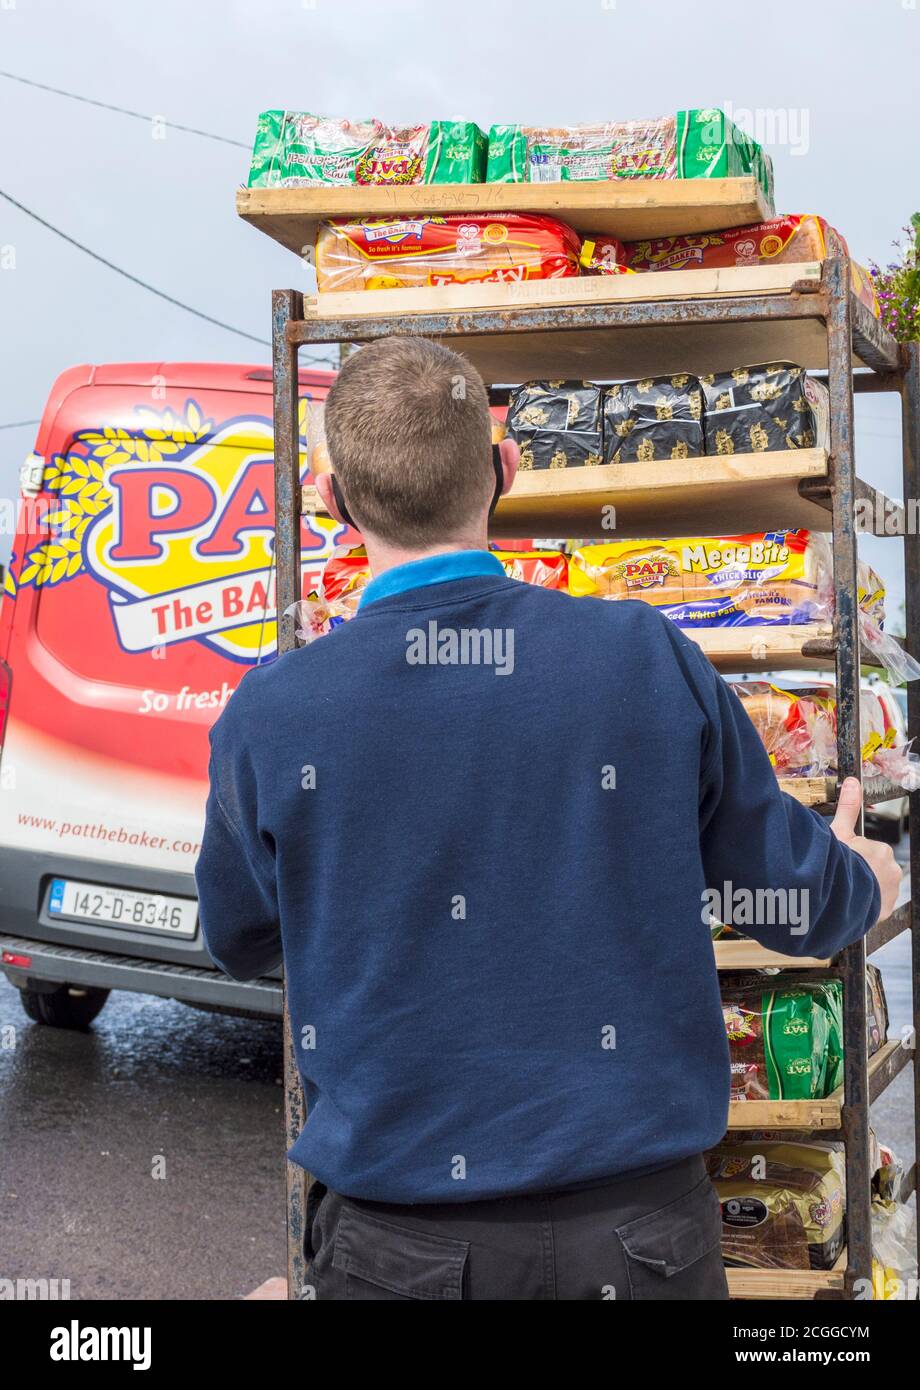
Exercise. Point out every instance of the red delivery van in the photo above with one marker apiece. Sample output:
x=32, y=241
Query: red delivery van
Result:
x=139, y=591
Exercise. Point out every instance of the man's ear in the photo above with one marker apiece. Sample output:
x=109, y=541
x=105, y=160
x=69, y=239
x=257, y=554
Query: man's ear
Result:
x=323, y=483
x=510, y=455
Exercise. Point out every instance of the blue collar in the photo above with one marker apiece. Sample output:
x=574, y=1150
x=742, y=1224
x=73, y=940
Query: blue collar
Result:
x=434, y=569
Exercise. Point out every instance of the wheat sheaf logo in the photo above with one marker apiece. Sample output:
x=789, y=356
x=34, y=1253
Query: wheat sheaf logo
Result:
x=176, y=519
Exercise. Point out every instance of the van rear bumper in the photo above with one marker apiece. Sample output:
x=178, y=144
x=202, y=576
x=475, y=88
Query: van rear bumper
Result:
x=112, y=957
x=70, y=965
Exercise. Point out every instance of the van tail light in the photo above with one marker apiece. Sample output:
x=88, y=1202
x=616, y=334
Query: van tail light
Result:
x=5, y=683
x=13, y=958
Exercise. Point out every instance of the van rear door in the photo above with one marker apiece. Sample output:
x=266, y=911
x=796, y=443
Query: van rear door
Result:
x=135, y=616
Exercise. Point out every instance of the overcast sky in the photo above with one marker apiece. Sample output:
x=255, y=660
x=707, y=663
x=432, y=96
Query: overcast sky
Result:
x=831, y=86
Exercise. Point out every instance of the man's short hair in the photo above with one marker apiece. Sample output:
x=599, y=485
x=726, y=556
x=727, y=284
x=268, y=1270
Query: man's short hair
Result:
x=410, y=438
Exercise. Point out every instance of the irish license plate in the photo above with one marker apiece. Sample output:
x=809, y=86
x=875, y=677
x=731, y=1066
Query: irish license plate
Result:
x=123, y=907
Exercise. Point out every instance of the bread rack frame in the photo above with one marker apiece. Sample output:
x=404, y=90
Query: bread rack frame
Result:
x=705, y=335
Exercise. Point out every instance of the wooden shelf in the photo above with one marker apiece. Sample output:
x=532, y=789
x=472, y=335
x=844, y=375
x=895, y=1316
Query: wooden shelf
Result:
x=817, y=1114
x=784, y=1114
x=588, y=289
x=674, y=497
x=811, y=791
x=735, y=649
x=750, y=955
x=627, y=208
x=787, y=1283
x=822, y=791
x=742, y=954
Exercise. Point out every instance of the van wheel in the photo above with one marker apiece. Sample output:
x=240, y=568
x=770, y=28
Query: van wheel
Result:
x=66, y=1007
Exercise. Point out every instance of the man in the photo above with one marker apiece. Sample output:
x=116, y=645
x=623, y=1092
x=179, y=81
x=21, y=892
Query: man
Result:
x=482, y=824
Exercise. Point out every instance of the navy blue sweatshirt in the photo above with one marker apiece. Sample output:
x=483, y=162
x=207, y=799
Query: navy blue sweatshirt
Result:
x=491, y=882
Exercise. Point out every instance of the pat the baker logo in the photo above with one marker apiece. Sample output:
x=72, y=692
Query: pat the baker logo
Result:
x=647, y=572
x=186, y=550
x=76, y=1343
x=175, y=517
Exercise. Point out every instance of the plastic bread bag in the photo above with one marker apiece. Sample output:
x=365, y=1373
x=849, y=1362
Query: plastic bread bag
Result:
x=780, y=240
x=894, y=1250
x=782, y=1201
x=778, y=1040
x=313, y=433
x=762, y=579
x=691, y=144
x=876, y=1017
x=347, y=574
x=762, y=408
x=312, y=617
x=656, y=418
x=603, y=150
x=798, y=728
x=336, y=598
x=411, y=252
x=548, y=569
x=557, y=424
x=887, y=652
x=795, y=238
x=897, y=663
x=604, y=255
x=887, y=1169
x=765, y=578
x=295, y=149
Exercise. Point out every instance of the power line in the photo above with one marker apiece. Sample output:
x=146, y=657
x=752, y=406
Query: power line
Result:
x=18, y=424
x=123, y=110
x=110, y=265
x=161, y=294
x=173, y=125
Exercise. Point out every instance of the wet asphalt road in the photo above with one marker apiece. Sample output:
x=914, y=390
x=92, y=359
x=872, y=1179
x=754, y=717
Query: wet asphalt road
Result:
x=88, y=1119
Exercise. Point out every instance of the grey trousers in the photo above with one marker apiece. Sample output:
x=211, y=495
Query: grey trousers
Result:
x=641, y=1236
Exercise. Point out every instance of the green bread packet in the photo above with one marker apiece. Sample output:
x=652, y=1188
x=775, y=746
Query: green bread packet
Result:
x=457, y=152
x=833, y=991
x=765, y=175
x=711, y=146
x=795, y=1040
x=266, y=150
x=516, y=158
x=287, y=151
x=830, y=997
x=294, y=149
x=507, y=162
